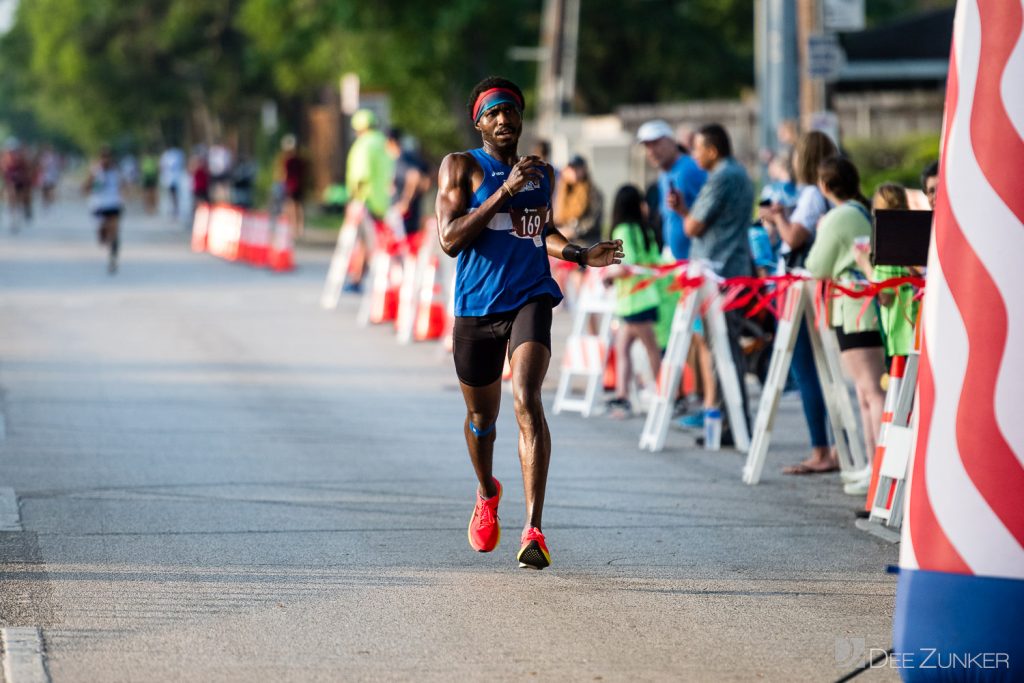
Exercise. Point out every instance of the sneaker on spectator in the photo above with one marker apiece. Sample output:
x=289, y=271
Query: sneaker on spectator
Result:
x=680, y=407
x=693, y=421
x=618, y=408
x=857, y=488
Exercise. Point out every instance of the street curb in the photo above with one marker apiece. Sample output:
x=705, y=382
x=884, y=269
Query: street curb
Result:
x=23, y=655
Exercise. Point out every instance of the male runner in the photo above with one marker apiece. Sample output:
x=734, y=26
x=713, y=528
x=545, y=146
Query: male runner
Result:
x=494, y=213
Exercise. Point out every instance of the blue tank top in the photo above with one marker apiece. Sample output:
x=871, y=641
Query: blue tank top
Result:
x=507, y=264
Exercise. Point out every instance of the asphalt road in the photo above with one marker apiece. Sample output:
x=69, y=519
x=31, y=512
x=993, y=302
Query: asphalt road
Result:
x=218, y=481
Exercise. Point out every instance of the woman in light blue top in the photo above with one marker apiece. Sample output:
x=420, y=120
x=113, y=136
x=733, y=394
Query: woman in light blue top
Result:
x=797, y=232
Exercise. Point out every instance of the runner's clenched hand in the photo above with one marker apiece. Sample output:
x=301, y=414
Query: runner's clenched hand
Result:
x=526, y=169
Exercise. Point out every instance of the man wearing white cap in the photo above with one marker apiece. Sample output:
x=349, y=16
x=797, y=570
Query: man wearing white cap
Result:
x=680, y=177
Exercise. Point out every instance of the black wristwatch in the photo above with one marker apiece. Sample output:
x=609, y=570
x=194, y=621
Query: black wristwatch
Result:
x=575, y=254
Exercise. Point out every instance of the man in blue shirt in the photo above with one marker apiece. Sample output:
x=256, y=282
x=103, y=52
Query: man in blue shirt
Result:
x=717, y=223
x=679, y=175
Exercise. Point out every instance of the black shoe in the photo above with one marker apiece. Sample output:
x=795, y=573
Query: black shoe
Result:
x=680, y=407
x=862, y=514
x=618, y=408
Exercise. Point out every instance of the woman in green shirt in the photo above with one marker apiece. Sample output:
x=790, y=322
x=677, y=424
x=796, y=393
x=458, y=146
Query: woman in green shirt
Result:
x=637, y=310
x=831, y=258
x=897, y=307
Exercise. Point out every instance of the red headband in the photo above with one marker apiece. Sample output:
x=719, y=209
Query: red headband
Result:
x=482, y=99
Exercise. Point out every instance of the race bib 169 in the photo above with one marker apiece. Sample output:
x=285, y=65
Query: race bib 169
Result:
x=529, y=222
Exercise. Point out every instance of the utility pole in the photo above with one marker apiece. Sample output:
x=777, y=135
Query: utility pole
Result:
x=570, y=52
x=778, y=69
x=547, y=72
x=559, y=38
x=812, y=90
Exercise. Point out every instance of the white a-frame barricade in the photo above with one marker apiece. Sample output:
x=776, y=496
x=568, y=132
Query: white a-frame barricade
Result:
x=587, y=348
x=887, y=506
x=413, y=269
x=797, y=307
x=357, y=224
x=691, y=303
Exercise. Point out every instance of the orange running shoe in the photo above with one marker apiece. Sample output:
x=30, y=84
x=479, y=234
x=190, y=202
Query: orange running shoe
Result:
x=534, y=552
x=484, y=529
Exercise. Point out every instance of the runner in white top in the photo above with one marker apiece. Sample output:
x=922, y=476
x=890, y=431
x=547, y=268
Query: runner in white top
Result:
x=105, y=202
x=172, y=166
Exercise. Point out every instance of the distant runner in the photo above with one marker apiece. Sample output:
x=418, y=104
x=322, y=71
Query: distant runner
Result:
x=494, y=213
x=104, y=187
x=17, y=173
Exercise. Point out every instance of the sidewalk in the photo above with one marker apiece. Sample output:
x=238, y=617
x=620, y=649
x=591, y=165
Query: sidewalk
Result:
x=219, y=481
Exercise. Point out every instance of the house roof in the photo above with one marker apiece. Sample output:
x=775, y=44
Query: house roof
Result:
x=914, y=49
x=923, y=36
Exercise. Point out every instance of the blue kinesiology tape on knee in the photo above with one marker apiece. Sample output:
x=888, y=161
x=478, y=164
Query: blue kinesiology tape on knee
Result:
x=481, y=433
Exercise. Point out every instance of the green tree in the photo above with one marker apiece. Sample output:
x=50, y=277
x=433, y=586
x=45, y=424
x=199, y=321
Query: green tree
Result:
x=426, y=56
x=650, y=51
x=102, y=68
x=98, y=68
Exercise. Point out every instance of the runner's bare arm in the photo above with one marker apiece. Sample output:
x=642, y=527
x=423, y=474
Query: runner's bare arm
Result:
x=601, y=254
x=457, y=227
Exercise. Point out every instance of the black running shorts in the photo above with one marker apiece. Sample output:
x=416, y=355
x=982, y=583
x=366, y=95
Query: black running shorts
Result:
x=858, y=340
x=480, y=342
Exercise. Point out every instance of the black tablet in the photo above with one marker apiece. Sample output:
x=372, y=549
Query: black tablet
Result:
x=901, y=238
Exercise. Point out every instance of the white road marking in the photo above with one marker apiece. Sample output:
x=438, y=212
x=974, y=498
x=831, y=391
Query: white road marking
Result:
x=23, y=655
x=10, y=516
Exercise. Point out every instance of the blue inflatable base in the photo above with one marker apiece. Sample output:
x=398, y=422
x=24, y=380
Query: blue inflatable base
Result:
x=953, y=627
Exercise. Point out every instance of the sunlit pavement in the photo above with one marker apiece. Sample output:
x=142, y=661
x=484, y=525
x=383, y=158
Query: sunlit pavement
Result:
x=219, y=481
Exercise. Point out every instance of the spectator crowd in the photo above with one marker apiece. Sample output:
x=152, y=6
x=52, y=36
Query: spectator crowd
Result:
x=809, y=218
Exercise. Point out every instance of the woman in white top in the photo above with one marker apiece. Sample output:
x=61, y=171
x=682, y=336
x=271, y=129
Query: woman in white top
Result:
x=797, y=232
x=104, y=188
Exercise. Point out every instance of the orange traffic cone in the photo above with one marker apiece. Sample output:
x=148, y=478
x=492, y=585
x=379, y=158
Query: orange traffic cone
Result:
x=385, y=281
x=224, y=231
x=430, y=314
x=200, y=226
x=258, y=252
x=408, y=298
x=610, y=380
x=279, y=256
x=244, y=249
x=896, y=373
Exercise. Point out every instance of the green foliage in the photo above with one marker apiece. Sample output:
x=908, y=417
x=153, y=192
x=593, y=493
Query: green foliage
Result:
x=100, y=69
x=150, y=69
x=644, y=51
x=900, y=160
